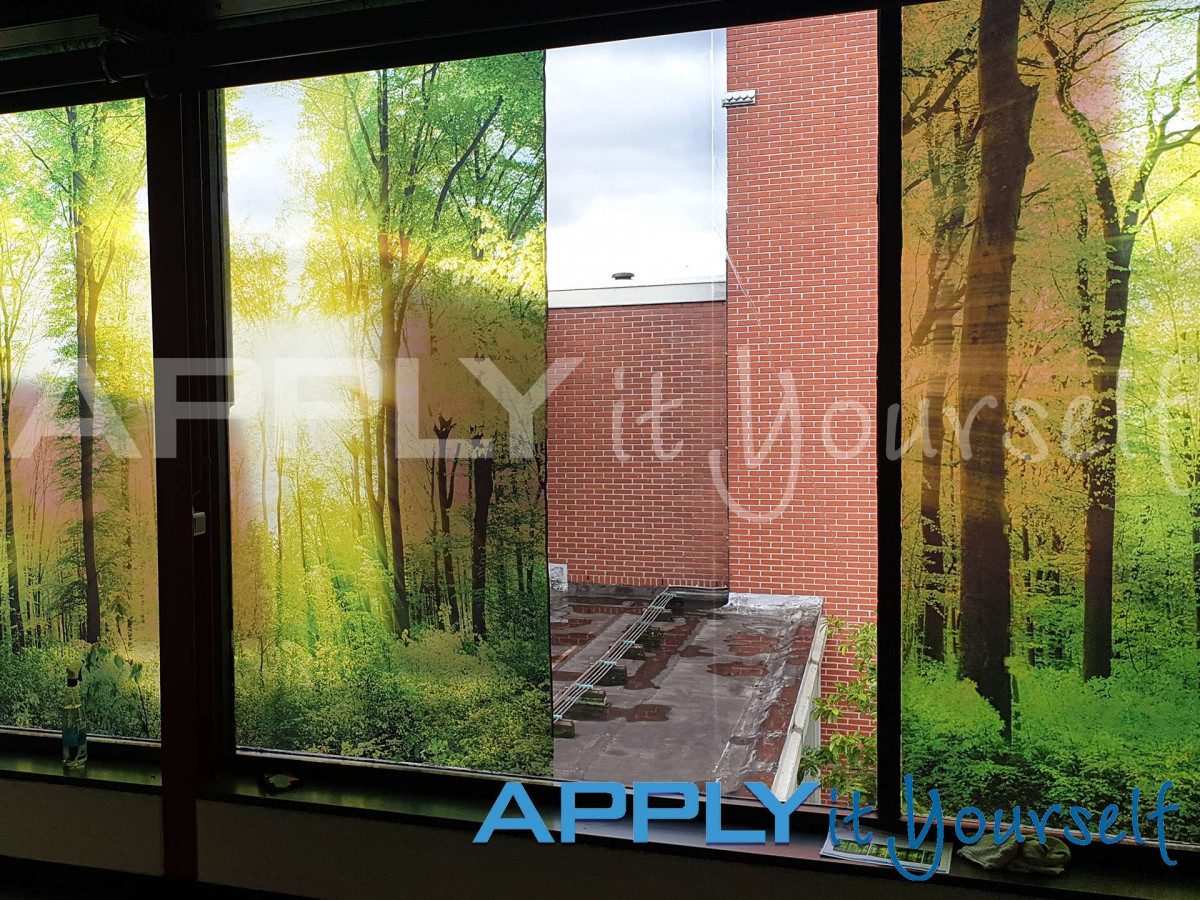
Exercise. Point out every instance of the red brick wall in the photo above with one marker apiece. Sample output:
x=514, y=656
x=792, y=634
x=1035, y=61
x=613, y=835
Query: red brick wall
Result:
x=644, y=519
x=801, y=289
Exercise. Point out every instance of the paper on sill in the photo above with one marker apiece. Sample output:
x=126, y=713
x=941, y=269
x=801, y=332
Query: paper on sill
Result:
x=875, y=852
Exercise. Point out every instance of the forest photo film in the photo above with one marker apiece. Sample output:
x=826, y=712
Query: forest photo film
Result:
x=392, y=605
x=79, y=551
x=1051, y=287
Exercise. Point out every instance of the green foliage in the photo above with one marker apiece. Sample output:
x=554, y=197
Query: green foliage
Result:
x=120, y=697
x=848, y=760
x=1076, y=744
x=428, y=701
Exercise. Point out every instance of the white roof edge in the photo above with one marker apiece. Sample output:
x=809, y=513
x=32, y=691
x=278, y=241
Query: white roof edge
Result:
x=639, y=294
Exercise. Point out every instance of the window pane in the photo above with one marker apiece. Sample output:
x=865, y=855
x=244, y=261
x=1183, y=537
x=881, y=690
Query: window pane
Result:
x=76, y=384
x=635, y=584
x=1051, y=543
x=687, y=458
x=389, y=548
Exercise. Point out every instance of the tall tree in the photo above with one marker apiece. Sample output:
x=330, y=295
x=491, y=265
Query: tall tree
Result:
x=482, y=485
x=21, y=252
x=393, y=327
x=1006, y=107
x=93, y=162
x=939, y=115
x=1074, y=43
x=98, y=166
x=446, y=479
x=949, y=156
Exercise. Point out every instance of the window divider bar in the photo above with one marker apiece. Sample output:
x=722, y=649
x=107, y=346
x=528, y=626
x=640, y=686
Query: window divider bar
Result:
x=187, y=285
x=888, y=383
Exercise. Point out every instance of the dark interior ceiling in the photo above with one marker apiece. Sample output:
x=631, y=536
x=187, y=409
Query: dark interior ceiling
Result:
x=47, y=26
x=140, y=46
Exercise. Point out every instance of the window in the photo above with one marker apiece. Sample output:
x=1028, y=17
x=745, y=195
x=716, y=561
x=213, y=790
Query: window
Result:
x=76, y=419
x=555, y=449
x=570, y=529
x=1050, y=606
x=386, y=228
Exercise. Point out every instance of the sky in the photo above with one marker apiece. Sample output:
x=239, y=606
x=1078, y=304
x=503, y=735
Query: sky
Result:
x=635, y=161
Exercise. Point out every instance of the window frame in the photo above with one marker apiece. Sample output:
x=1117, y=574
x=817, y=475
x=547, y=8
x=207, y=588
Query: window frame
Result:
x=45, y=742
x=469, y=786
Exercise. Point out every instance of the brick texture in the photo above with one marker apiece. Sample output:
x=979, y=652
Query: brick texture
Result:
x=785, y=369
x=623, y=510
x=802, y=313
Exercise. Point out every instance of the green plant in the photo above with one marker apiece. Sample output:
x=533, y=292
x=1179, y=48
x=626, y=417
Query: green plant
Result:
x=848, y=760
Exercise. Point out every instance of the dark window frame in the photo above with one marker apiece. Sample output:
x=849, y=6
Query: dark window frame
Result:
x=44, y=742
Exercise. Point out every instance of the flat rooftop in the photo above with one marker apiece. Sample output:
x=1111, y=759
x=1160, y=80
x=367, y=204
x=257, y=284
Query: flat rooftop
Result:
x=711, y=701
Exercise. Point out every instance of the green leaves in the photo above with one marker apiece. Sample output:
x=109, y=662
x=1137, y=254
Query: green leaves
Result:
x=848, y=761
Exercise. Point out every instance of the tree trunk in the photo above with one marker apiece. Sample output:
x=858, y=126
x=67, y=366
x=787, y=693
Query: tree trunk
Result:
x=951, y=192
x=262, y=481
x=389, y=349
x=279, y=462
x=10, y=530
x=16, y=622
x=933, y=616
x=445, y=494
x=296, y=484
x=1194, y=509
x=520, y=563
x=433, y=513
x=86, y=482
x=356, y=493
x=128, y=561
x=1006, y=113
x=86, y=302
x=1100, y=468
x=482, y=478
x=373, y=445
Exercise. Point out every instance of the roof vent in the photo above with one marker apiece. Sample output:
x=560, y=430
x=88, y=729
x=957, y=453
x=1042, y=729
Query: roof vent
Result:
x=739, y=98
x=622, y=276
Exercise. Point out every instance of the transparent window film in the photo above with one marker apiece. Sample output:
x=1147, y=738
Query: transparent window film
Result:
x=694, y=504
x=1050, y=540
x=76, y=419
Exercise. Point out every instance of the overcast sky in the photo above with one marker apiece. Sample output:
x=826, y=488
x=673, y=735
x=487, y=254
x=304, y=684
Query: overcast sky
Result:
x=635, y=162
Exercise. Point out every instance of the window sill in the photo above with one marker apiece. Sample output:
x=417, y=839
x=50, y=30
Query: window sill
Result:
x=107, y=774
x=1131, y=875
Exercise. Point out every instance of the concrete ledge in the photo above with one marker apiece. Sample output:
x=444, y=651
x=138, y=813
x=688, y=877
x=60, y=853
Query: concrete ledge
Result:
x=639, y=591
x=765, y=602
x=638, y=294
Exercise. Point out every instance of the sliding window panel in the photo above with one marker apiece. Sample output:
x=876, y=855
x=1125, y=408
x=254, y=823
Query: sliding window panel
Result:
x=1051, y=631
x=80, y=583
x=388, y=445
x=541, y=462
x=712, y=273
